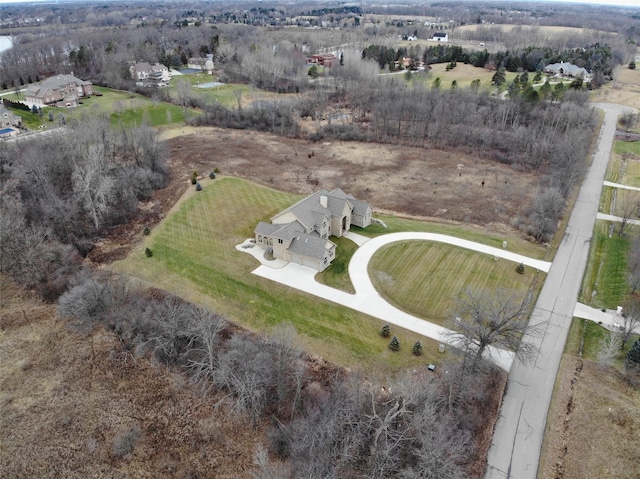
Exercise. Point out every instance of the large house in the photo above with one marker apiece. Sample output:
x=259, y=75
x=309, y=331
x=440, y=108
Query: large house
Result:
x=439, y=37
x=143, y=71
x=59, y=90
x=301, y=232
x=566, y=69
x=203, y=64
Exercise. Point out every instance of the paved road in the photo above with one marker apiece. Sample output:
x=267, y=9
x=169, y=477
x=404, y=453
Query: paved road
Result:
x=367, y=300
x=517, y=440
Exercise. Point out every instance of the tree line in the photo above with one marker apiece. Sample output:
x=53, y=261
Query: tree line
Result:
x=424, y=424
x=59, y=193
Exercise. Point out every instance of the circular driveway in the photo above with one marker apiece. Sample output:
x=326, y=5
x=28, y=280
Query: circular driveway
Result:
x=367, y=299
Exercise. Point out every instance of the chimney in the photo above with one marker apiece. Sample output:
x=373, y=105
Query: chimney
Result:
x=323, y=201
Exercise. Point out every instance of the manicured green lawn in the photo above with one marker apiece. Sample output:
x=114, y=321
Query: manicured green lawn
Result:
x=424, y=278
x=593, y=334
x=194, y=256
x=607, y=269
x=632, y=147
x=337, y=274
x=514, y=243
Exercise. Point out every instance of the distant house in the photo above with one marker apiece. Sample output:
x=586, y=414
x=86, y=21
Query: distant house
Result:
x=439, y=37
x=60, y=90
x=566, y=69
x=301, y=233
x=143, y=71
x=204, y=64
x=8, y=119
x=326, y=59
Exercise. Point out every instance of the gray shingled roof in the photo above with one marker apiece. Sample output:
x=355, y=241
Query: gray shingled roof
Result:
x=359, y=207
x=311, y=246
x=568, y=68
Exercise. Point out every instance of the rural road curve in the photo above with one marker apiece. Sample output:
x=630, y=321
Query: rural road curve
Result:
x=517, y=440
x=367, y=299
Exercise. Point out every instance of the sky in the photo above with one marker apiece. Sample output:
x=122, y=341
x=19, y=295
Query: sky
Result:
x=626, y=3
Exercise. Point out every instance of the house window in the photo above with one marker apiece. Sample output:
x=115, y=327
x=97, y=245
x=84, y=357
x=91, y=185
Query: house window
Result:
x=280, y=241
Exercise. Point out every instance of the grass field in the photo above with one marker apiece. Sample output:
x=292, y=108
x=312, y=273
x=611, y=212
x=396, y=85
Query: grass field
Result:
x=627, y=147
x=515, y=243
x=225, y=95
x=194, y=256
x=337, y=274
x=463, y=75
x=425, y=278
x=607, y=269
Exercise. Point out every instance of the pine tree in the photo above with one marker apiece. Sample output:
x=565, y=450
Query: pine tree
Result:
x=148, y=253
x=417, y=349
x=385, y=331
x=633, y=356
x=520, y=268
x=394, y=345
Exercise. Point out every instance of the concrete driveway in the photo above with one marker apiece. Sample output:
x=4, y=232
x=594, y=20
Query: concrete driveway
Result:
x=517, y=439
x=367, y=300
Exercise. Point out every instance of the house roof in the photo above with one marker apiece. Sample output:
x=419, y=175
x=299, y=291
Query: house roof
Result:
x=311, y=246
x=567, y=68
x=359, y=207
x=63, y=80
x=309, y=211
x=439, y=35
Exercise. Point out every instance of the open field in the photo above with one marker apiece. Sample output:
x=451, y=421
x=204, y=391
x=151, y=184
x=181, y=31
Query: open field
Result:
x=593, y=427
x=194, y=256
x=625, y=89
x=425, y=278
x=443, y=186
x=464, y=75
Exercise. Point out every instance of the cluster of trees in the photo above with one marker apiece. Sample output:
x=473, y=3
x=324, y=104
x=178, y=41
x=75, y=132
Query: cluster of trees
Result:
x=60, y=192
x=423, y=425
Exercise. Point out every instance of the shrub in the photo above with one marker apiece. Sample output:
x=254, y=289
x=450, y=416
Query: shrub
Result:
x=520, y=268
x=417, y=349
x=146, y=231
x=148, y=253
x=394, y=345
x=198, y=186
x=216, y=170
x=194, y=177
x=212, y=175
x=385, y=331
x=125, y=442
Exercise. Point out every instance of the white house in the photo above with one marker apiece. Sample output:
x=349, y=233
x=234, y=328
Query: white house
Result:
x=440, y=37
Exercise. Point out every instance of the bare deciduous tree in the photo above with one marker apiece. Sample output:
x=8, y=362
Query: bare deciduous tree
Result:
x=207, y=328
x=630, y=321
x=93, y=185
x=609, y=349
x=492, y=318
x=626, y=209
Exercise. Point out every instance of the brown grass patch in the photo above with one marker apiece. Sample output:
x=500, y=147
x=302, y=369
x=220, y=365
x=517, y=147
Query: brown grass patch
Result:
x=434, y=184
x=593, y=427
x=72, y=406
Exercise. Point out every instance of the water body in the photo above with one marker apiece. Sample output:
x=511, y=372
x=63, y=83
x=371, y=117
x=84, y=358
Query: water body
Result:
x=5, y=43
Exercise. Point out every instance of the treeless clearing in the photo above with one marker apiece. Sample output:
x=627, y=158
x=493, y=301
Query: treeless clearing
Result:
x=509, y=27
x=625, y=90
x=431, y=184
x=593, y=427
x=464, y=75
x=66, y=398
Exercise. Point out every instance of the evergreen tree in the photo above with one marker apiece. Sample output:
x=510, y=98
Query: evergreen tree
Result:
x=499, y=77
x=417, y=348
x=385, y=332
x=520, y=268
x=633, y=356
x=394, y=345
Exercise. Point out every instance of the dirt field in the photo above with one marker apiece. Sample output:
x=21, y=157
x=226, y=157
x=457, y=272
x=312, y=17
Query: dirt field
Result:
x=67, y=400
x=432, y=184
x=593, y=427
